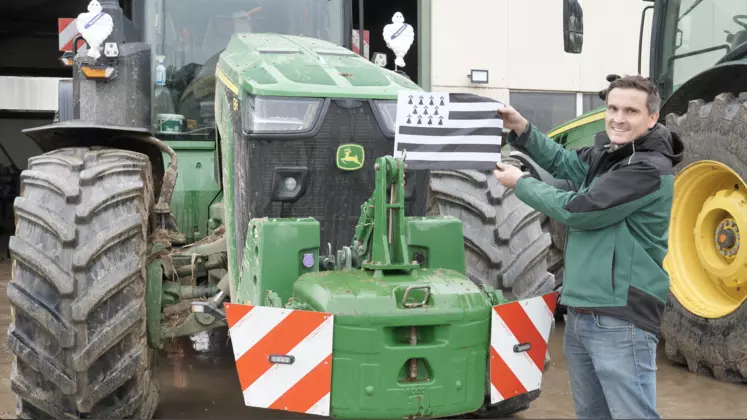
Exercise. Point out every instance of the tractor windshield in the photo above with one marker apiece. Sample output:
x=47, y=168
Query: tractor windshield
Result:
x=187, y=36
x=695, y=35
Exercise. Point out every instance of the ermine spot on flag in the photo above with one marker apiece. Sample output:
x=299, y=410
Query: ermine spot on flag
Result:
x=448, y=130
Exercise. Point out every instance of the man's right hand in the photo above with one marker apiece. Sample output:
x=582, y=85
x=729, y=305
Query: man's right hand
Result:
x=513, y=120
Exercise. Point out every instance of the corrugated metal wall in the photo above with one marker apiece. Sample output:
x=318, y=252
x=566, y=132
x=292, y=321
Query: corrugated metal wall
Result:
x=28, y=93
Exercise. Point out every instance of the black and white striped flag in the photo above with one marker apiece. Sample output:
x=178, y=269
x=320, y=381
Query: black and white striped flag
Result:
x=448, y=130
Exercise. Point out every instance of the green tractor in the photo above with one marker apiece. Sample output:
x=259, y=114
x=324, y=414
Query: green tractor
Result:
x=698, y=59
x=156, y=213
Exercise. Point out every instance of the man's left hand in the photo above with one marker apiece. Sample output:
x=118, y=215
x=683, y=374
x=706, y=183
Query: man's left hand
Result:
x=507, y=175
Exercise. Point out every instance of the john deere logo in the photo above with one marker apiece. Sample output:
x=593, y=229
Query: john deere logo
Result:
x=350, y=157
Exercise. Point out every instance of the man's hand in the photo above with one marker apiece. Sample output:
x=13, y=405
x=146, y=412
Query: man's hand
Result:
x=507, y=175
x=513, y=120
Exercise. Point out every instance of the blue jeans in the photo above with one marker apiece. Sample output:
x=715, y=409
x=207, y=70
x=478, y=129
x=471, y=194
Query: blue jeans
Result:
x=612, y=367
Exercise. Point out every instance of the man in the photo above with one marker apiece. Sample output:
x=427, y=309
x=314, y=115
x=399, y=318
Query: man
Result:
x=614, y=284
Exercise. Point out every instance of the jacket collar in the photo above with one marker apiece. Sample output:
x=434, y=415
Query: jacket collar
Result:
x=615, y=151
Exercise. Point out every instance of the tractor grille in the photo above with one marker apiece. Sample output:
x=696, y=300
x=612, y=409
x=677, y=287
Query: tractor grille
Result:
x=332, y=196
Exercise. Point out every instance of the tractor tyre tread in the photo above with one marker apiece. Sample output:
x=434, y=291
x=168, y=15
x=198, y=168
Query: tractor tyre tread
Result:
x=712, y=347
x=555, y=258
x=505, y=245
x=77, y=292
x=508, y=407
x=555, y=263
x=711, y=130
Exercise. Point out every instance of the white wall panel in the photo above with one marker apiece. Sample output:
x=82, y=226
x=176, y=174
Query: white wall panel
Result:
x=28, y=93
x=520, y=43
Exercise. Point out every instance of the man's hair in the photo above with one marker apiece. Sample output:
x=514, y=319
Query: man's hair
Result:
x=639, y=83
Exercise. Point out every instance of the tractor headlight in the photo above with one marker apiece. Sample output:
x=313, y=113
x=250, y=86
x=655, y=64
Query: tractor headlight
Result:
x=388, y=112
x=265, y=115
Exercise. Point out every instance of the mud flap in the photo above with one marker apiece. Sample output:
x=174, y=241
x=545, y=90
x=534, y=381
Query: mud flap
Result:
x=519, y=333
x=283, y=357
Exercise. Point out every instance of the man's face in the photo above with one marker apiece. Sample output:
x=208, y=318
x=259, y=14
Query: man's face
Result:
x=627, y=117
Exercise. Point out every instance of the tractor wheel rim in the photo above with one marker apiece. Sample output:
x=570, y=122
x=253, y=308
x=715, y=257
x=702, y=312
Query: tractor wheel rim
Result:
x=706, y=261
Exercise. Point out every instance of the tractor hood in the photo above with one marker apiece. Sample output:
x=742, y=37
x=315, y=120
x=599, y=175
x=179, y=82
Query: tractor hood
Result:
x=284, y=65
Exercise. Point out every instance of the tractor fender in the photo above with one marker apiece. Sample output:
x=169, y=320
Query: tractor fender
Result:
x=729, y=77
x=78, y=133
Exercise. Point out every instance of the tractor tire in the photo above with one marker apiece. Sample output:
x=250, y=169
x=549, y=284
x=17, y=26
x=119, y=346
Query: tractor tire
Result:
x=555, y=261
x=717, y=344
x=504, y=243
x=555, y=258
x=77, y=293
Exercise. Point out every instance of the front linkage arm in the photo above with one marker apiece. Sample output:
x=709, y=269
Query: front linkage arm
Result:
x=379, y=241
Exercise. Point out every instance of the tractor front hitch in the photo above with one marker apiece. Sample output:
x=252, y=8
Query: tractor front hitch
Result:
x=183, y=295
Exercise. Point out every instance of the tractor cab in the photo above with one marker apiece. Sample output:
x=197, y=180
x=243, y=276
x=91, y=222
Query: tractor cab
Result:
x=688, y=37
x=693, y=36
x=187, y=37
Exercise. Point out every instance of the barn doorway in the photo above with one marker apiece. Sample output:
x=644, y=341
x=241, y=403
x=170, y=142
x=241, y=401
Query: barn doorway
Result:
x=376, y=15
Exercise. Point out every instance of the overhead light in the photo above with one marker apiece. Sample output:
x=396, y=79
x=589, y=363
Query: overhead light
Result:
x=478, y=76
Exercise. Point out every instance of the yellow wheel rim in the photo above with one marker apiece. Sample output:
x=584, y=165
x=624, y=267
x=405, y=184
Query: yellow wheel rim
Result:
x=707, y=261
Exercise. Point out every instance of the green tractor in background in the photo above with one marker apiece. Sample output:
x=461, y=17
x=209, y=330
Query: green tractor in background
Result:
x=698, y=59
x=279, y=135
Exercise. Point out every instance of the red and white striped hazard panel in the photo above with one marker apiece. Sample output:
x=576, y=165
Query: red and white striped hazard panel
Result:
x=66, y=31
x=519, y=334
x=283, y=357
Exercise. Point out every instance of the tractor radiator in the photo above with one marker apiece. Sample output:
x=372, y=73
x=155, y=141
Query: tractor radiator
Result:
x=330, y=195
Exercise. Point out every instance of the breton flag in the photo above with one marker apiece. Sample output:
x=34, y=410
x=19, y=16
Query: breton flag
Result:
x=448, y=130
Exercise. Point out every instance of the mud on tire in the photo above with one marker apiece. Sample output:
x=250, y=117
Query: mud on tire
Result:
x=717, y=131
x=77, y=293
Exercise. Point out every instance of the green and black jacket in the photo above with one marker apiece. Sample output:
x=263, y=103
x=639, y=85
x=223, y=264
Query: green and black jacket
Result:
x=617, y=221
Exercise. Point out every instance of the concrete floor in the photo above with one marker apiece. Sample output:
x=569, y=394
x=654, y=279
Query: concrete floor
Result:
x=201, y=383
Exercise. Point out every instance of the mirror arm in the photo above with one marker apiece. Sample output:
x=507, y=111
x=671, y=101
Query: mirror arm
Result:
x=361, y=38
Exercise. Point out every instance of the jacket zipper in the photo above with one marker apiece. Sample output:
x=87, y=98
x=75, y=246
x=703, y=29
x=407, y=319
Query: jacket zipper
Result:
x=613, y=270
x=565, y=249
x=593, y=168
